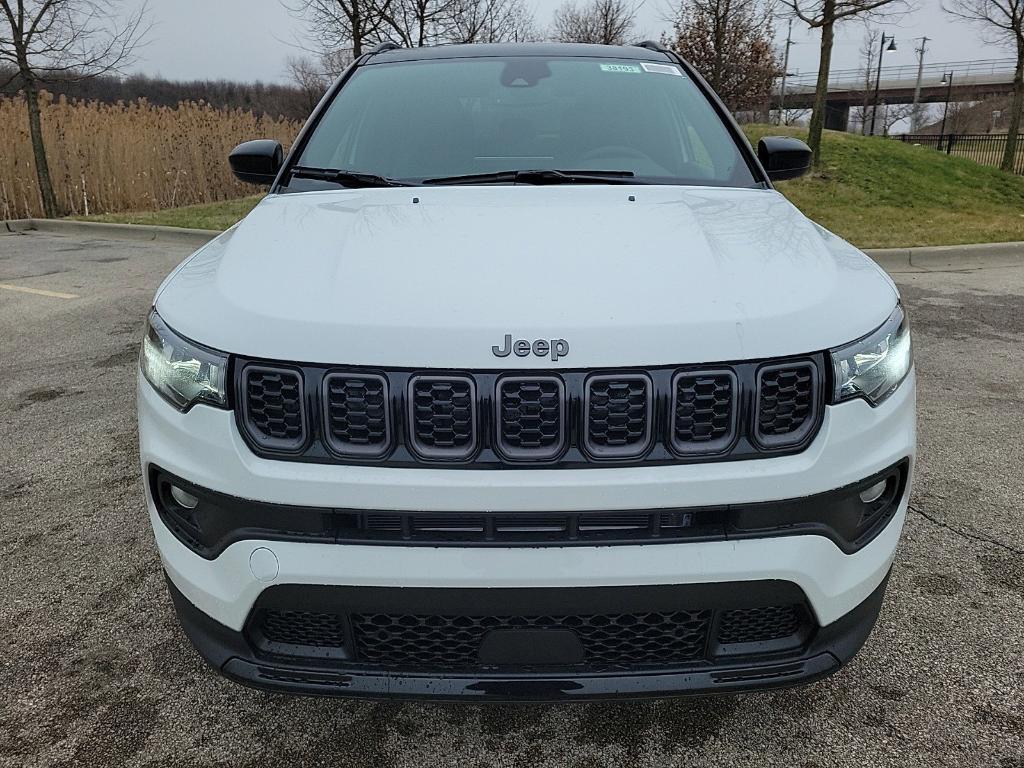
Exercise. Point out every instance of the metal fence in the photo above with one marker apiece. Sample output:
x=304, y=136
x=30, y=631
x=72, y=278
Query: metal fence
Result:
x=984, y=148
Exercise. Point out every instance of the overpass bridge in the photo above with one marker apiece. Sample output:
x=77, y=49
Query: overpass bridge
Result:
x=972, y=81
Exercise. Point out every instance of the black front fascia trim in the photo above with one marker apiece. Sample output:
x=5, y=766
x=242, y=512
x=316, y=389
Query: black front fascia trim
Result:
x=831, y=646
x=220, y=520
x=487, y=454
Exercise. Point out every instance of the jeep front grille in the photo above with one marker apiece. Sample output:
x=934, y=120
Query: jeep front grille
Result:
x=272, y=401
x=490, y=419
x=531, y=417
x=442, y=415
x=787, y=400
x=356, y=414
x=618, y=416
x=703, y=411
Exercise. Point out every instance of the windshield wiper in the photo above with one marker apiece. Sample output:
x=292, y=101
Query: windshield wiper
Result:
x=352, y=179
x=539, y=177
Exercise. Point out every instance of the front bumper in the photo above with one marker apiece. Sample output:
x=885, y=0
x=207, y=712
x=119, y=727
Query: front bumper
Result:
x=820, y=653
x=217, y=596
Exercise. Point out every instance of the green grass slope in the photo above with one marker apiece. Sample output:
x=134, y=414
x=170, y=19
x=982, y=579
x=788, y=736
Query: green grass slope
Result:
x=876, y=193
x=880, y=193
x=209, y=216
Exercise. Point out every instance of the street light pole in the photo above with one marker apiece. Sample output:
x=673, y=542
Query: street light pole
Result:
x=947, y=80
x=915, y=114
x=878, y=77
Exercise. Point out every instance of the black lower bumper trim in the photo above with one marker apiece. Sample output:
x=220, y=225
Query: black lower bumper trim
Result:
x=230, y=653
x=216, y=520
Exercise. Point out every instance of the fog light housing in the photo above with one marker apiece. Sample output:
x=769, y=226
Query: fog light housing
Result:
x=184, y=498
x=874, y=493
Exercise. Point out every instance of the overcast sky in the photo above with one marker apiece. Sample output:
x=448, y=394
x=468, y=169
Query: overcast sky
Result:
x=250, y=39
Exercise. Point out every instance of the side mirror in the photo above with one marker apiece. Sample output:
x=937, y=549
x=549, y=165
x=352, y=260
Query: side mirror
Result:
x=783, y=157
x=257, y=162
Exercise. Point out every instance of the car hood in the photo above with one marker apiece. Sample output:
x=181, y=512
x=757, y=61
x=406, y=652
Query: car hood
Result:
x=435, y=277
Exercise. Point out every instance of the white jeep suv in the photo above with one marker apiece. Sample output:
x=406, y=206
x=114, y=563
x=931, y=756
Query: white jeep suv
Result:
x=524, y=383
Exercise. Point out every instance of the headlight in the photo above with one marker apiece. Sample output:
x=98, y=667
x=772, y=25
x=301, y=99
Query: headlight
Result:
x=874, y=366
x=183, y=372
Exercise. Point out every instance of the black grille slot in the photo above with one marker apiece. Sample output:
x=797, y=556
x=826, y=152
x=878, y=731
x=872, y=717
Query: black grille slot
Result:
x=531, y=417
x=442, y=417
x=787, y=403
x=758, y=625
x=273, y=407
x=384, y=523
x=618, y=416
x=518, y=528
x=615, y=523
x=703, y=411
x=300, y=633
x=453, y=642
x=356, y=414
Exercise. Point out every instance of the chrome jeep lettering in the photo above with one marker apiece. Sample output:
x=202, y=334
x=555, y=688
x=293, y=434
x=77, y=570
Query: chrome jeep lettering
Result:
x=507, y=350
x=557, y=348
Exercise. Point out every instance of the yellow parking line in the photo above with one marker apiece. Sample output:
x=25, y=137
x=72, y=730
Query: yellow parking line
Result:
x=38, y=291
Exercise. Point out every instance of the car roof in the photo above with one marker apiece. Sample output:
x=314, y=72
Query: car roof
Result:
x=501, y=50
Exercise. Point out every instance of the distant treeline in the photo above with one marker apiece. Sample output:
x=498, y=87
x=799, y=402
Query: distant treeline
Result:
x=269, y=99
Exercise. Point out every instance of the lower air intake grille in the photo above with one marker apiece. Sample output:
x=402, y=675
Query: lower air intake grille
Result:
x=272, y=403
x=787, y=401
x=531, y=417
x=304, y=628
x=356, y=414
x=442, y=415
x=453, y=642
x=703, y=411
x=618, y=416
x=659, y=633
x=758, y=625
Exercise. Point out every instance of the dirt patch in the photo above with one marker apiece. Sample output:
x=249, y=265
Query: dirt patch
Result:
x=125, y=357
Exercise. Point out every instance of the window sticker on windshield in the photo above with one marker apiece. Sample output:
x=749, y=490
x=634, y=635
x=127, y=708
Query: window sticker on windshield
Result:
x=632, y=68
x=662, y=69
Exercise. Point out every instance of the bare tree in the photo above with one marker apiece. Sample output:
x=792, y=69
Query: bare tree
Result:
x=416, y=23
x=305, y=73
x=824, y=15
x=868, y=48
x=493, y=21
x=794, y=116
x=890, y=114
x=609, y=22
x=349, y=26
x=730, y=44
x=1001, y=22
x=71, y=39
x=314, y=75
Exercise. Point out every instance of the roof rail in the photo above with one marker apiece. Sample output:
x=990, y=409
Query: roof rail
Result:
x=385, y=47
x=652, y=45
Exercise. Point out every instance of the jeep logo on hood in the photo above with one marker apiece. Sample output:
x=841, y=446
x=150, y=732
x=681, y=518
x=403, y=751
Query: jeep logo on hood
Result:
x=541, y=347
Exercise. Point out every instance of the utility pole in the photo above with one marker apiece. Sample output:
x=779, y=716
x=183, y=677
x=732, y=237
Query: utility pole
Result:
x=785, y=71
x=915, y=114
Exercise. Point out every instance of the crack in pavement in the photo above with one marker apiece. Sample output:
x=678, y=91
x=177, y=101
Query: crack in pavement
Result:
x=965, y=534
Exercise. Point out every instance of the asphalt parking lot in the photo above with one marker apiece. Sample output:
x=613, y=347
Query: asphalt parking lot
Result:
x=94, y=670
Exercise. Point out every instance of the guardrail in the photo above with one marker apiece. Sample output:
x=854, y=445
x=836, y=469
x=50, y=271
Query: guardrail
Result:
x=983, y=148
x=963, y=71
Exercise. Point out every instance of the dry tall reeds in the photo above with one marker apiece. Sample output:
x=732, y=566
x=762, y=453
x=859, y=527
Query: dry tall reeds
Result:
x=126, y=156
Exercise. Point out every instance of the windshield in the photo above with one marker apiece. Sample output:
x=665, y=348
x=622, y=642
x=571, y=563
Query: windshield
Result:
x=428, y=120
